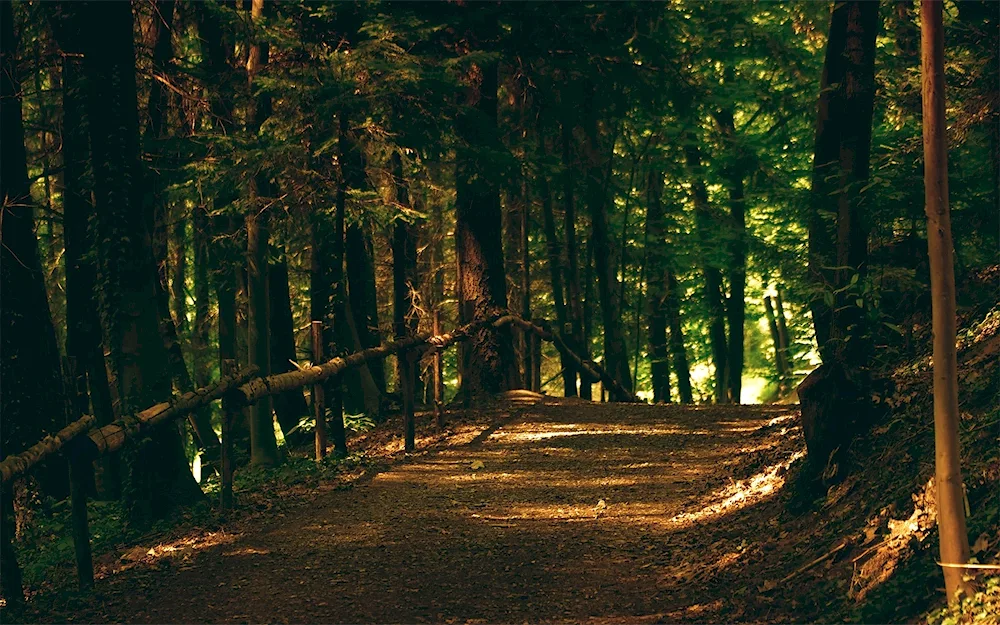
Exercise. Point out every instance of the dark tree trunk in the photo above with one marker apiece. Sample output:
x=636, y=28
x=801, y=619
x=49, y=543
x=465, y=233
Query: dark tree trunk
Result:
x=598, y=170
x=658, y=261
x=178, y=271
x=483, y=287
x=710, y=270
x=405, y=317
x=780, y=363
x=32, y=402
x=289, y=406
x=786, y=343
x=573, y=290
x=553, y=250
x=362, y=294
x=526, y=284
x=84, y=342
x=678, y=353
x=736, y=309
x=201, y=228
x=515, y=208
x=158, y=477
x=838, y=228
x=263, y=445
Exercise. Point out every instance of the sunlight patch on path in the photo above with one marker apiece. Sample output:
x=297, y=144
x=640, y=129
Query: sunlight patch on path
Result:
x=741, y=493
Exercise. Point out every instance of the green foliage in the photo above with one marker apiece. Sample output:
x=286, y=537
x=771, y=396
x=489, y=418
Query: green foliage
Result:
x=981, y=608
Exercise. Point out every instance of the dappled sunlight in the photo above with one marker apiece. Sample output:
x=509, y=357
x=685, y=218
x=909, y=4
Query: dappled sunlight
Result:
x=741, y=493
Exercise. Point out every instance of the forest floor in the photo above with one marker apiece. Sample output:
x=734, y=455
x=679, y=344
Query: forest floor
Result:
x=562, y=510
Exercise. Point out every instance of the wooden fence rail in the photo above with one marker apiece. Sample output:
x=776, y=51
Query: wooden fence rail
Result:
x=82, y=443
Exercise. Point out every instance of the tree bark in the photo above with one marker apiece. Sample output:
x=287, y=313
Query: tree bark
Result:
x=574, y=292
x=161, y=479
x=405, y=317
x=780, y=364
x=711, y=273
x=678, y=353
x=483, y=286
x=656, y=238
x=263, y=446
x=32, y=402
x=838, y=232
x=736, y=308
x=84, y=341
x=291, y=406
x=598, y=171
x=786, y=343
x=553, y=251
x=948, y=471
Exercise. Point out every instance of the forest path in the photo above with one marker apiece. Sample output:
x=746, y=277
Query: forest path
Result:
x=578, y=512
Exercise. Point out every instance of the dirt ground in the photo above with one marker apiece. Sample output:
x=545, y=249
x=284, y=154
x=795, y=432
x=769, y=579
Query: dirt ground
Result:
x=568, y=511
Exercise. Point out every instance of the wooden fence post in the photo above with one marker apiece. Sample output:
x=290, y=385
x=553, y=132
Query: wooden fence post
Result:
x=319, y=403
x=406, y=367
x=438, y=377
x=230, y=413
x=79, y=467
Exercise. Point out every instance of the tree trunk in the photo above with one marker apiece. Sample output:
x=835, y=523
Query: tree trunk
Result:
x=32, y=400
x=573, y=291
x=598, y=172
x=405, y=317
x=178, y=269
x=483, y=287
x=786, y=343
x=656, y=238
x=362, y=295
x=289, y=406
x=263, y=446
x=84, y=341
x=556, y=269
x=838, y=232
x=780, y=364
x=678, y=353
x=736, y=308
x=158, y=477
x=710, y=270
x=948, y=471
x=526, y=284
x=201, y=228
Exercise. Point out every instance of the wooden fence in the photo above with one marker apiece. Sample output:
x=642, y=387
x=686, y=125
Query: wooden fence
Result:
x=81, y=443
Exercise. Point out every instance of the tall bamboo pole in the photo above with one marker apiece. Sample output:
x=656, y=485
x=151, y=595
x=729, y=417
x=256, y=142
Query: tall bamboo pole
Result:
x=948, y=472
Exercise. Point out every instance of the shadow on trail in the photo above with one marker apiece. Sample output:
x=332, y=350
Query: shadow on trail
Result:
x=576, y=512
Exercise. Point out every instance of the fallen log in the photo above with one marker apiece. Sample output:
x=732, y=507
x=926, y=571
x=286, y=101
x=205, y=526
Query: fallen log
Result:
x=256, y=389
x=112, y=437
x=19, y=464
x=543, y=329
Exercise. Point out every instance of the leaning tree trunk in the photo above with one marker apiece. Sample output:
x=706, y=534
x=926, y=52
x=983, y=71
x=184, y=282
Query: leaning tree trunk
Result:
x=483, y=286
x=657, y=260
x=158, y=478
x=838, y=232
x=948, y=471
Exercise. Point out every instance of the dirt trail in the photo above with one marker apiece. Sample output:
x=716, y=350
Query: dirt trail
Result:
x=578, y=512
